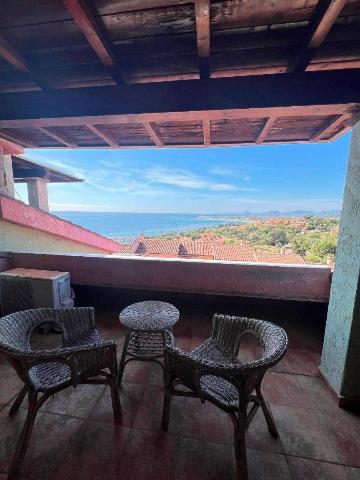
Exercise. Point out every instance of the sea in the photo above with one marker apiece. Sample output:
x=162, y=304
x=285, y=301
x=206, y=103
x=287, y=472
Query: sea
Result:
x=128, y=226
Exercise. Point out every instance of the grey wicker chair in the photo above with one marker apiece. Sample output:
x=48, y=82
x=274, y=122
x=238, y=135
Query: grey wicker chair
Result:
x=83, y=358
x=213, y=372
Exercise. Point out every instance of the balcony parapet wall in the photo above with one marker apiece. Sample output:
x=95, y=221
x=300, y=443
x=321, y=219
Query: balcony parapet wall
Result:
x=20, y=213
x=287, y=282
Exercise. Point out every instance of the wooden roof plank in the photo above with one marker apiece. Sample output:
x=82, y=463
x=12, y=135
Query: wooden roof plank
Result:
x=104, y=136
x=18, y=139
x=89, y=27
x=58, y=137
x=324, y=17
x=153, y=134
x=269, y=122
x=202, y=19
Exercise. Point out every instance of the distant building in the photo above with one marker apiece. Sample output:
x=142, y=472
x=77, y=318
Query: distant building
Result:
x=206, y=248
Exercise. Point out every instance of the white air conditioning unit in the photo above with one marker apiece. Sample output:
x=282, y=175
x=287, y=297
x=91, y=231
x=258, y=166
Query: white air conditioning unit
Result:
x=22, y=288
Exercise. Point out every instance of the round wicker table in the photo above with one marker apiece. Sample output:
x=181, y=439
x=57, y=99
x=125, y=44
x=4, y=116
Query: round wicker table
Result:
x=147, y=323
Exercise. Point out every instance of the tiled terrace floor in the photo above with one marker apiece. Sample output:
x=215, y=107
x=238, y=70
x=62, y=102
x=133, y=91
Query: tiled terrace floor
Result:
x=75, y=437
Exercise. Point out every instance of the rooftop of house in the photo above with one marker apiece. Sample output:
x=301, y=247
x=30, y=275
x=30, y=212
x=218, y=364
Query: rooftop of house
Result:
x=205, y=248
x=317, y=439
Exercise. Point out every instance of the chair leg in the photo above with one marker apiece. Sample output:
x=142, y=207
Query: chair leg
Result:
x=166, y=411
x=123, y=358
x=239, y=422
x=25, y=435
x=267, y=413
x=18, y=400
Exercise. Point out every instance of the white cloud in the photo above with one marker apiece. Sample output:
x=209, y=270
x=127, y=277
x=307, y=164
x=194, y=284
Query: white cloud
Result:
x=184, y=179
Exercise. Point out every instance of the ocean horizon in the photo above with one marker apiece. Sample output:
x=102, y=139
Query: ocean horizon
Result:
x=131, y=225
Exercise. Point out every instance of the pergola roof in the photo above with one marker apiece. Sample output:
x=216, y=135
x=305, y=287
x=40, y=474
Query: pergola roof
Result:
x=108, y=70
x=24, y=169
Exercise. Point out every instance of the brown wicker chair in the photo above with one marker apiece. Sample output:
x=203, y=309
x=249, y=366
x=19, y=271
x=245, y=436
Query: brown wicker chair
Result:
x=213, y=372
x=83, y=358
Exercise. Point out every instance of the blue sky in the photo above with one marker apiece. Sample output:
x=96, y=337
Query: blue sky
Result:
x=216, y=180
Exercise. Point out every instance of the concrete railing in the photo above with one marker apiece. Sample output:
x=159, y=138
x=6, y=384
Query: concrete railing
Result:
x=288, y=282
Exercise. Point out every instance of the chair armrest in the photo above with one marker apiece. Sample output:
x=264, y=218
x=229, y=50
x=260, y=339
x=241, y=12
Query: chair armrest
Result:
x=82, y=360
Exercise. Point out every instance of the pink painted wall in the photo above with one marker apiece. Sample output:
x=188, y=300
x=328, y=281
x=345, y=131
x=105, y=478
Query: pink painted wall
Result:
x=19, y=213
x=310, y=283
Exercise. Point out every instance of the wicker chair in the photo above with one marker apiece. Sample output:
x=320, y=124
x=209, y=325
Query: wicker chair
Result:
x=213, y=372
x=83, y=358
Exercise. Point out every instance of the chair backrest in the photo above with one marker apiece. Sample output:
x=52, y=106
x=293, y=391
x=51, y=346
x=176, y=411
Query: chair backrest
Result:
x=16, y=328
x=228, y=331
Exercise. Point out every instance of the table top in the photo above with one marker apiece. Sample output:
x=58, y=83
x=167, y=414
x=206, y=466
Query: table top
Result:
x=149, y=316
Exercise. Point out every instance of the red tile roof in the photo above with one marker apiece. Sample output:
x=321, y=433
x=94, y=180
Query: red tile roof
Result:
x=279, y=258
x=239, y=253
x=207, y=248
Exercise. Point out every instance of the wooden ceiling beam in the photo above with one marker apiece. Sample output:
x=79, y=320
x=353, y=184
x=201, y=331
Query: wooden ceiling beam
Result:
x=207, y=132
x=310, y=93
x=269, y=122
x=58, y=137
x=153, y=133
x=12, y=56
x=18, y=139
x=90, y=29
x=320, y=135
x=324, y=17
x=104, y=136
x=126, y=6
x=202, y=19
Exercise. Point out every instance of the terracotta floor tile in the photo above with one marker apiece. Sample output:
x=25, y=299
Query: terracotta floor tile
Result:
x=96, y=453
x=190, y=418
x=318, y=393
x=137, y=372
x=300, y=362
x=150, y=410
x=130, y=397
x=343, y=430
x=76, y=402
x=10, y=428
x=284, y=389
x=259, y=437
x=10, y=383
x=148, y=455
x=352, y=473
x=267, y=466
x=201, y=460
x=302, y=433
x=51, y=439
x=301, y=468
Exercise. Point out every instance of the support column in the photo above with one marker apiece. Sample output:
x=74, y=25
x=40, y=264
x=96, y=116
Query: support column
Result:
x=6, y=175
x=340, y=362
x=38, y=193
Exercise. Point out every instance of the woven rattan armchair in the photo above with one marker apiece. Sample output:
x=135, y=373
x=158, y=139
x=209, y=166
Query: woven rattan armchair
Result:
x=213, y=372
x=83, y=358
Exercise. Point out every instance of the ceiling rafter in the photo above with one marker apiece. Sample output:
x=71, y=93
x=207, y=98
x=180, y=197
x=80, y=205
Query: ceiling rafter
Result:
x=104, y=136
x=153, y=133
x=18, y=139
x=12, y=56
x=202, y=20
x=93, y=34
x=320, y=135
x=207, y=132
x=58, y=137
x=269, y=122
x=324, y=17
